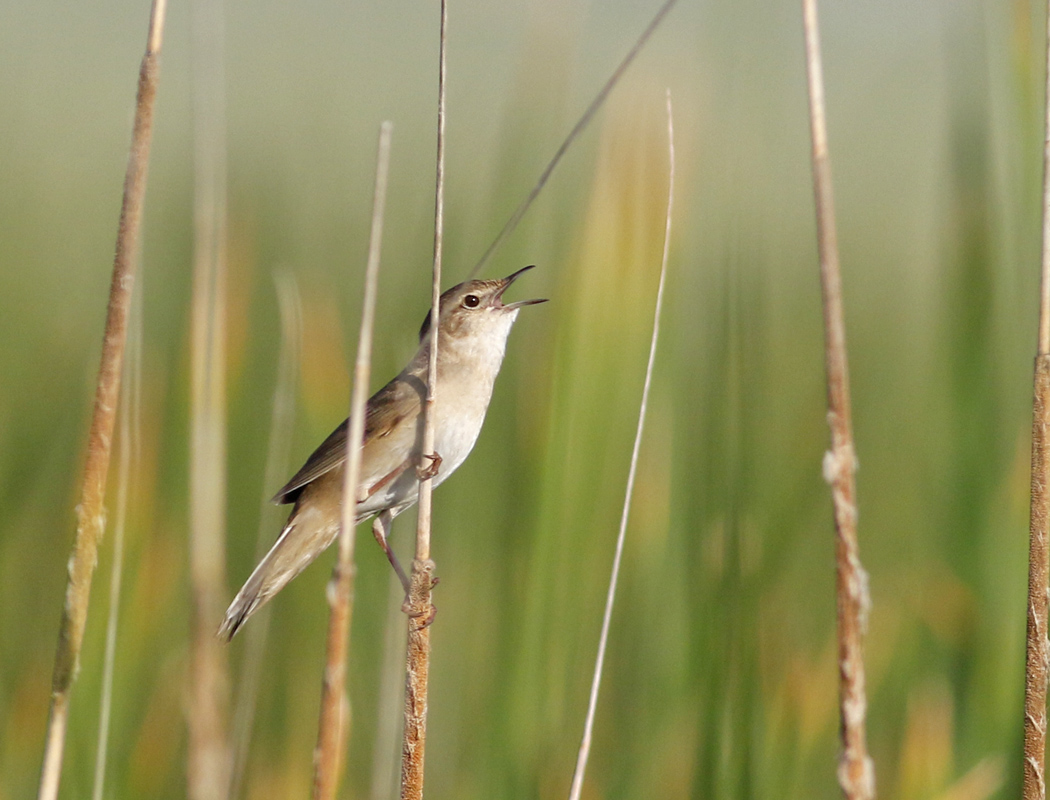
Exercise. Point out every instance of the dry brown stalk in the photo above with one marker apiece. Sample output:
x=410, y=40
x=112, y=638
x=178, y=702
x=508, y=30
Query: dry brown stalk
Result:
x=91, y=514
x=417, y=674
x=1037, y=653
x=420, y=610
x=335, y=707
x=585, y=744
x=856, y=771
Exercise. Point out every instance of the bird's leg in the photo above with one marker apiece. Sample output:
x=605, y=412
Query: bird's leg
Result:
x=393, y=475
x=431, y=469
x=380, y=529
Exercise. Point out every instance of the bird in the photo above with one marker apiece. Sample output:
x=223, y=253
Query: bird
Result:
x=473, y=327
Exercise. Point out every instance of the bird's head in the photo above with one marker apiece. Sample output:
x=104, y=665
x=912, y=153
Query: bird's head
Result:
x=476, y=309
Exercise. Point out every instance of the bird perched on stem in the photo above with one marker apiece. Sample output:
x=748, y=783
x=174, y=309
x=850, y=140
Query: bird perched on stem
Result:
x=474, y=324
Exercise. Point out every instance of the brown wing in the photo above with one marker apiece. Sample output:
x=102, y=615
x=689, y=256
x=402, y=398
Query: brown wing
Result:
x=398, y=399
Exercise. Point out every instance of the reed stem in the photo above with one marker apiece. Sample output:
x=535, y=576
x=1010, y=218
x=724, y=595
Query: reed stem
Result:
x=91, y=513
x=420, y=610
x=856, y=772
x=1037, y=650
x=585, y=745
x=335, y=707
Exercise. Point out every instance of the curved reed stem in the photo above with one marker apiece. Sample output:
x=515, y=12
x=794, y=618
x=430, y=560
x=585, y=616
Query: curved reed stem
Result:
x=577, y=129
x=585, y=744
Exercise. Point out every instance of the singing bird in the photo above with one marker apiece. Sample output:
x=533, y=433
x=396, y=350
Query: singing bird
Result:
x=473, y=327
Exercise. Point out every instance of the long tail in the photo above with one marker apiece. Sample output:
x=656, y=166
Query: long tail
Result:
x=305, y=536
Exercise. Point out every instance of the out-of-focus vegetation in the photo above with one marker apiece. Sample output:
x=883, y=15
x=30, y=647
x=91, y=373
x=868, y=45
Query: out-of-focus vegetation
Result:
x=721, y=677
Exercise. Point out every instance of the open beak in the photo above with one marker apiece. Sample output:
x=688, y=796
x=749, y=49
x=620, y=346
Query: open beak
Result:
x=509, y=280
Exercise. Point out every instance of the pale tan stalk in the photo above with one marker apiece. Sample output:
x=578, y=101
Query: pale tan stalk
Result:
x=420, y=610
x=856, y=772
x=277, y=457
x=592, y=705
x=209, y=756
x=130, y=404
x=1037, y=653
x=91, y=514
x=577, y=129
x=335, y=707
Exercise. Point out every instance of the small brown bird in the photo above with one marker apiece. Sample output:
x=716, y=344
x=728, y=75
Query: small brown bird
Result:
x=472, y=338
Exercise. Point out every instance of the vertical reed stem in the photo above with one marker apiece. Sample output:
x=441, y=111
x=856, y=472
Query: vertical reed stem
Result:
x=856, y=772
x=1037, y=651
x=335, y=708
x=417, y=657
x=91, y=514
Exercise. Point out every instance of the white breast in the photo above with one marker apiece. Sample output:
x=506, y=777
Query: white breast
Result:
x=465, y=381
x=468, y=373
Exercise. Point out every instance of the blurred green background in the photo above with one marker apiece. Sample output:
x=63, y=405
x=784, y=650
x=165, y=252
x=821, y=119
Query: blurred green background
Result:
x=721, y=677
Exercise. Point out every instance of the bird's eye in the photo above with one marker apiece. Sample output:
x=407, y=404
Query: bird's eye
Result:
x=471, y=301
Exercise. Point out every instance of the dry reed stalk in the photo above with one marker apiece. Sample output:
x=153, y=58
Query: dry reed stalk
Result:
x=277, y=456
x=131, y=405
x=335, y=708
x=1037, y=653
x=577, y=129
x=421, y=581
x=585, y=744
x=856, y=772
x=209, y=757
x=1036, y=650
x=91, y=514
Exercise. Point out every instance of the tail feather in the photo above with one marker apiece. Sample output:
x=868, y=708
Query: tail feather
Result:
x=306, y=535
x=248, y=599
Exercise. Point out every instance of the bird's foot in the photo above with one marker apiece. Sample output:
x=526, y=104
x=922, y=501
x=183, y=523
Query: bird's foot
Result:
x=418, y=606
x=426, y=471
x=424, y=616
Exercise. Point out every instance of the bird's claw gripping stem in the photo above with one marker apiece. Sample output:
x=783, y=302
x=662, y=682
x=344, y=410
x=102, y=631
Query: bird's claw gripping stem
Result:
x=425, y=471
